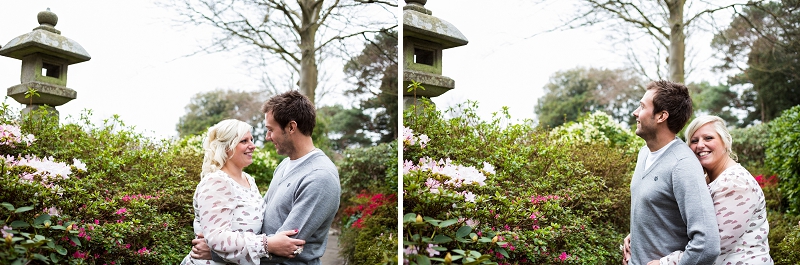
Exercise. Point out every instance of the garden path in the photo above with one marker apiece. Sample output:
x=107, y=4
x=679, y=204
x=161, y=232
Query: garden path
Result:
x=331, y=256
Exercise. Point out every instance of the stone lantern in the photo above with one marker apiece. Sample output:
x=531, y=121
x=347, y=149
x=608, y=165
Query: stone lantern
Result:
x=45, y=56
x=424, y=38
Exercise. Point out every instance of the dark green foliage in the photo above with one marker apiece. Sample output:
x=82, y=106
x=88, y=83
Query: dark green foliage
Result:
x=346, y=124
x=764, y=42
x=135, y=190
x=585, y=215
x=783, y=155
x=714, y=100
x=374, y=74
x=373, y=169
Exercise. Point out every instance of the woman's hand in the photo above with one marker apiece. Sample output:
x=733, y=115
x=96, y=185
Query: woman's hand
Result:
x=282, y=245
x=654, y=262
x=200, y=249
x=626, y=250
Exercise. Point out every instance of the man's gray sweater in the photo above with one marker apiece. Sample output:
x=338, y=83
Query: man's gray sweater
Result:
x=671, y=209
x=305, y=198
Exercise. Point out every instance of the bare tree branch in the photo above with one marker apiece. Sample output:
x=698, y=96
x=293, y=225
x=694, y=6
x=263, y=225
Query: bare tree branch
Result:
x=377, y=2
x=712, y=10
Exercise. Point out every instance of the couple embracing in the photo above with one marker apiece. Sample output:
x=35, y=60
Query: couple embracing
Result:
x=290, y=224
x=691, y=203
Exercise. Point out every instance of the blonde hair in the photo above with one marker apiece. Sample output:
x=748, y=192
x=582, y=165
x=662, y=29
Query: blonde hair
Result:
x=719, y=127
x=221, y=138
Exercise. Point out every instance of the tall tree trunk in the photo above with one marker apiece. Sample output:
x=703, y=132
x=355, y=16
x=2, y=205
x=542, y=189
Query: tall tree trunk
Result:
x=308, y=58
x=677, y=40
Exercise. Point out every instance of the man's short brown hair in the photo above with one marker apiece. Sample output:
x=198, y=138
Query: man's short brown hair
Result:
x=292, y=106
x=674, y=98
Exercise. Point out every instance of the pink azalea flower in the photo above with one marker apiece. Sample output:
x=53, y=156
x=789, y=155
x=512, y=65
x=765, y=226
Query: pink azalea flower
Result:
x=423, y=140
x=79, y=254
x=52, y=211
x=469, y=196
x=78, y=164
x=410, y=250
x=432, y=252
x=5, y=234
x=143, y=251
x=488, y=168
x=563, y=256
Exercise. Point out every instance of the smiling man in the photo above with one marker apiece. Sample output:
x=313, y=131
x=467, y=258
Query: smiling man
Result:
x=670, y=206
x=304, y=192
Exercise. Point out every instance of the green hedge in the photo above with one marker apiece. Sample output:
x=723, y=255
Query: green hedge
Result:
x=783, y=156
x=749, y=145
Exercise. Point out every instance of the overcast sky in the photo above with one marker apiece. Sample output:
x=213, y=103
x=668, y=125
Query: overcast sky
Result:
x=504, y=66
x=138, y=68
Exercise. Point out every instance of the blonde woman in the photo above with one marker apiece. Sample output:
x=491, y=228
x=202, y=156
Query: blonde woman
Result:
x=228, y=207
x=738, y=199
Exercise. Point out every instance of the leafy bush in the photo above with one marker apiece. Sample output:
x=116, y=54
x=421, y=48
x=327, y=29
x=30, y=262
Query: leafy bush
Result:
x=544, y=200
x=749, y=145
x=783, y=156
x=785, y=253
x=120, y=197
x=369, y=205
x=370, y=168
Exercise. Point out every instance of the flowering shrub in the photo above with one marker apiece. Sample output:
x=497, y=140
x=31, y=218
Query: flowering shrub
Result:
x=46, y=170
x=368, y=211
x=444, y=179
x=599, y=128
x=539, y=200
x=86, y=194
x=766, y=181
x=365, y=206
x=10, y=136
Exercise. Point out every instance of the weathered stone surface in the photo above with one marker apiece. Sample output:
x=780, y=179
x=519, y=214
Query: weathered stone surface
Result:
x=45, y=42
x=434, y=85
x=49, y=94
x=417, y=7
x=430, y=28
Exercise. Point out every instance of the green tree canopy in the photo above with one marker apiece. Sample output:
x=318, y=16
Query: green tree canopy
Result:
x=346, y=127
x=762, y=46
x=717, y=100
x=208, y=108
x=574, y=92
x=374, y=75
